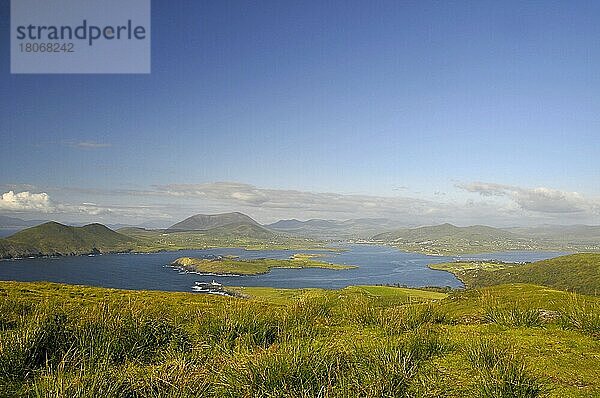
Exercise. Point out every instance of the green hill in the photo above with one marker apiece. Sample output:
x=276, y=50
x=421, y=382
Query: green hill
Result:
x=53, y=238
x=576, y=272
x=226, y=226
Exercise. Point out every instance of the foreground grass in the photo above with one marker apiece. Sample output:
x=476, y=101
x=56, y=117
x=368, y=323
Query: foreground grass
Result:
x=372, y=341
x=236, y=266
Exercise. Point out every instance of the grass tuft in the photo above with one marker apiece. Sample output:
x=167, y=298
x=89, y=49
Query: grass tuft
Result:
x=581, y=315
x=501, y=373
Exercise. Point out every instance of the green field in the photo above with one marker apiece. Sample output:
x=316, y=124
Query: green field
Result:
x=365, y=341
x=577, y=272
x=236, y=266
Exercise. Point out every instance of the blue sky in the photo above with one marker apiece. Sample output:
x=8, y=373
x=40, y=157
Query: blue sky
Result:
x=469, y=112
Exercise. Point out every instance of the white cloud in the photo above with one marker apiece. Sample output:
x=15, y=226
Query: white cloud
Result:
x=500, y=204
x=26, y=201
x=541, y=199
x=93, y=209
x=249, y=195
x=88, y=144
x=272, y=204
x=496, y=204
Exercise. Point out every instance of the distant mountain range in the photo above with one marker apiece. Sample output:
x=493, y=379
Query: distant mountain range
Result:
x=15, y=223
x=237, y=229
x=561, y=233
x=444, y=231
x=450, y=239
x=334, y=229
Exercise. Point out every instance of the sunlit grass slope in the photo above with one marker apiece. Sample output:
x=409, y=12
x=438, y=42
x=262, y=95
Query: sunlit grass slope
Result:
x=575, y=272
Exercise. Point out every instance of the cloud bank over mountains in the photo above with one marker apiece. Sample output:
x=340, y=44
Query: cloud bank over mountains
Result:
x=481, y=203
x=40, y=203
x=541, y=200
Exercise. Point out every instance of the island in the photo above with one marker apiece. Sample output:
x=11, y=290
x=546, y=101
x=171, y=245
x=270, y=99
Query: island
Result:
x=229, y=265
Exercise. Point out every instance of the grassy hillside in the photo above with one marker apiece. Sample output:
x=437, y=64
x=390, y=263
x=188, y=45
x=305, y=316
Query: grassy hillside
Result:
x=52, y=238
x=576, y=272
x=502, y=341
x=11, y=250
x=227, y=265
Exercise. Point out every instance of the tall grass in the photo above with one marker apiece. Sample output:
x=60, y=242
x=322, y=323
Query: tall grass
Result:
x=11, y=310
x=411, y=317
x=296, y=370
x=510, y=315
x=513, y=316
x=41, y=341
x=309, y=369
x=501, y=373
x=134, y=346
x=390, y=368
x=360, y=310
x=581, y=315
x=386, y=370
x=303, y=316
x=52, y=336
x=234, y=348
x=239, y=324
x=174, y=378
